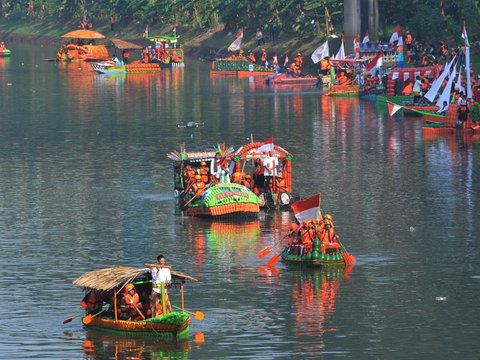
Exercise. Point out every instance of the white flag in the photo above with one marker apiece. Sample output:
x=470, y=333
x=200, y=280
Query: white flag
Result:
x=320, y=52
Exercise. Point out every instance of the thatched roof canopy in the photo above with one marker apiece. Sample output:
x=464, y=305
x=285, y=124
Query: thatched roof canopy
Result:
x=108, y=278
x=122, y=44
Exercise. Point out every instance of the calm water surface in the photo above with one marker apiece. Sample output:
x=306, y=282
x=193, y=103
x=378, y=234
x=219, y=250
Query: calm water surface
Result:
x=85, y=183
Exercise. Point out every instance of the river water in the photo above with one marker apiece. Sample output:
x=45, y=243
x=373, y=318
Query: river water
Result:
x=85, y=183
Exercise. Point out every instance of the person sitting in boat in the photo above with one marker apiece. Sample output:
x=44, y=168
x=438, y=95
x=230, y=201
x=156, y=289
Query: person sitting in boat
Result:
x=258, y=177
x=236, y=178
x=280, y=185
x=160, y=274
x=251, y=57
x=198, y=187
x=407, y=90
x=342, y=79
x=189, y=175
x=293, y=70
x=307, y=235
x=204, y=172
x=249, y=183
x=328, y=237
x=92, y=302
x=325, y=66
x=2, y=46
x=117, y=61
x=462, y=111
x=130, y=305
x=145, y=56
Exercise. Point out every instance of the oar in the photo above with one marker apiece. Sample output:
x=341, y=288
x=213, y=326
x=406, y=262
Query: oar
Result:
x=89, y=318
x=197, y=314
x=349, y=259
x=71, y=318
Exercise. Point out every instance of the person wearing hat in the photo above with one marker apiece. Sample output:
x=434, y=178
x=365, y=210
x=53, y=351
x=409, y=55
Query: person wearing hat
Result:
x=199, y=186
x=130, y=305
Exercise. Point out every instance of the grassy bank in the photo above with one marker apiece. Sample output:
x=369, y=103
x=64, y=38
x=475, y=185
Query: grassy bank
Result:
x=197, y=43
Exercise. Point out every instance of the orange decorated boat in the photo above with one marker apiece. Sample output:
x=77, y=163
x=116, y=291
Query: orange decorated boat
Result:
x=82, y=47
x=202, y=183
x=284, y=79
x=105, y=305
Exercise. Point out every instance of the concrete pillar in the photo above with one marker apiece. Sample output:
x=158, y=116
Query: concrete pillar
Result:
x=373, y=19
x=352, y=23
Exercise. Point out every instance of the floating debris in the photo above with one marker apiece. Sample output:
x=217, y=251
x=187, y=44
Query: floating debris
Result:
x=441, y=298
x=190, y=124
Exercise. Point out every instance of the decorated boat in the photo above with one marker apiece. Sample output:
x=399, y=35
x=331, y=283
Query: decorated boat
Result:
x=202, y=184
x=83, y=47
x=5, y=52
x=105, y=303
x=312, y=238
x=343, y=90
x=111, y=68
x=284, y=79
x=238, y=66
x=170, y=52
x=249, y=158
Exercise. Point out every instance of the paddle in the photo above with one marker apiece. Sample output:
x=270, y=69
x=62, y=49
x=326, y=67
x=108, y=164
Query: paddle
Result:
x=197, y=314
x=89, y=318
x=349, y=259
x=71, y=318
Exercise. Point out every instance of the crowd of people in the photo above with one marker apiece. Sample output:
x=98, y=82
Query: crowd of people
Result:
x=266, y=175
x=135, y=301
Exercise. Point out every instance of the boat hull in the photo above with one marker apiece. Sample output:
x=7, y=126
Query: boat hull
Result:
x=282, y=79
x=344, y=90
x=300, y=260
x=141, y=328
x=5, y=53
x=108, y=69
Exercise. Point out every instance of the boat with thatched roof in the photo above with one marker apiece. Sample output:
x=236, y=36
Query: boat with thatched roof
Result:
x=108, y=285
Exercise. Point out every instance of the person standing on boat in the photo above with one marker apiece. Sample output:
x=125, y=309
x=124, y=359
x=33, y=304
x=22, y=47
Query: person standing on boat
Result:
x=160, y=274
x=417, y=87
x=270, y=164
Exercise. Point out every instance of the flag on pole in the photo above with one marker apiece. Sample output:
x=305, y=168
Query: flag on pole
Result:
x=356, y=46
x=464, y=35
x=235, y=45
x=307, y=209
x=285, y=61
x=393, y=108
x=267, y=145
x=397, y=36
x=320, y=52
x=366, y=38
x=375, y=64
x=341, y=51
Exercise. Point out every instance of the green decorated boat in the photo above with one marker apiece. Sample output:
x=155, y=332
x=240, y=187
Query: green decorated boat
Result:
x=202, y=184
x=333, y=256
x=104, y=289
x=238, y=66
x=5, y=53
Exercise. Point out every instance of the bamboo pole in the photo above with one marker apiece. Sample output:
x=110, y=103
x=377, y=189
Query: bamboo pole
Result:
x=162, y=289
x=182, y=296
x=115, y=304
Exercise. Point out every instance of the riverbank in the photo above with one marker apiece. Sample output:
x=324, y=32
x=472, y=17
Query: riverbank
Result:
x=202, y=44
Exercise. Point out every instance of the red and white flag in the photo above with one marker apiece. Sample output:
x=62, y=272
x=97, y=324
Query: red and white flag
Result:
x=374, y=64
x=366, y=38
x=235, y=45
x=393, y=108
x=307, y=209
x=267, y=145
x=397, y=36
x=321, y=52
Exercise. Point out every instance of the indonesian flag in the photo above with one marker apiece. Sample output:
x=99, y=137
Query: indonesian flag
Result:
x=397, y=36
x=320, y=52
x=464, y=35
x=267, y=145
x=307, y=209
x=356, y=45
x=341, y=51
x=235, y=45
x=366, y=38
x=375, y=63
x=393, y=108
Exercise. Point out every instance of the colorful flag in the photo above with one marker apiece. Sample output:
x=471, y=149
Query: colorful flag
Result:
x=375, y=64
x=307, y=209
x=366, y=38
x=320, y=52
x=393, y=108
x=267, y=145
x=397, y=36
x=235, y=45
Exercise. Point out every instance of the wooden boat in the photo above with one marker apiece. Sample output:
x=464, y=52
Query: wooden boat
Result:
x=79, y=50
x=247, y=157
x=343, y=90
x=283, y=79
x=5, y=53
x=109, y=68
x=238, y=66
x=220, y=198
x=109, y=283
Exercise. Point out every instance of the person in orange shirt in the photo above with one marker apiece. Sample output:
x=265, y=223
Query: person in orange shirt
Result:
x=199, y=186
x=92, y=302
x=342, y=79
x=131, y=305
x=204, y=172
x=251, y=57
x=407, y=90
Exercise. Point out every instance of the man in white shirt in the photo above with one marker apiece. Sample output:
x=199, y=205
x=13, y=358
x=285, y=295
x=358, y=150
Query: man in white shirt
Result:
x=417, y=87
x=270, y=164
x=160, y=274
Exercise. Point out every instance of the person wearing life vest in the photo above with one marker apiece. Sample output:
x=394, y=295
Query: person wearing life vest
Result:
x=307, y=235
x=263, y=57
x=130, y=305
x=92, y=302
x=328, y=236
x=258, y=177
x=204, y=172
x=342, y=78
x=280, y=186
x=251, y=57
x=189, y=175
x=293, y=70
x=325, y=66
x=199, y=186
x=407, y=90
x=298, y=60
x=408, y=45
x=2, y=45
